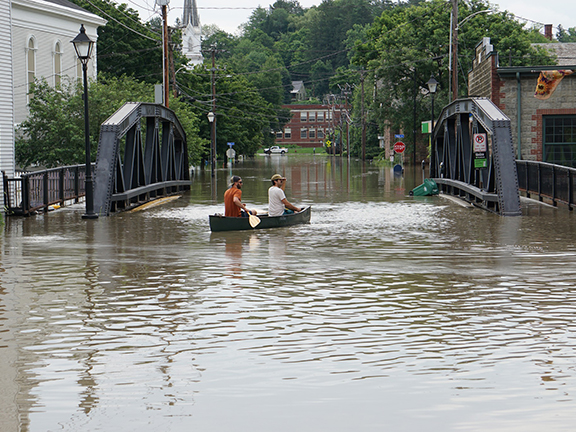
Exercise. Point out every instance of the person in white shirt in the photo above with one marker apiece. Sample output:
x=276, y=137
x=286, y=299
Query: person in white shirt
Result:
x=277, y=202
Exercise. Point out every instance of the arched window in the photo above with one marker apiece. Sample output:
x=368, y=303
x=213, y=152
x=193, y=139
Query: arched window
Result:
x=57, y=63
x=31, y=64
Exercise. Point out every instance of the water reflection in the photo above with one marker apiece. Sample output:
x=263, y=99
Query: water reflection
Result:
x=385, y=313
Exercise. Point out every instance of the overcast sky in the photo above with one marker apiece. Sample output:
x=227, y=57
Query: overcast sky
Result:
x=229, y=14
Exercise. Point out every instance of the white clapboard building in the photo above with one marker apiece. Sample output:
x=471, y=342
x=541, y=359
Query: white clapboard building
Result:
x=35, y=42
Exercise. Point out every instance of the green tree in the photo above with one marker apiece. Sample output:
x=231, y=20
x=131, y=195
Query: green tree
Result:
x=406, y=45
x=53, y=133
x=566, y=35
x=126, y=46
x=243, y=115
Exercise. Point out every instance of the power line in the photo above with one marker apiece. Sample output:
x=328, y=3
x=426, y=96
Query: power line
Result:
x=122, y=24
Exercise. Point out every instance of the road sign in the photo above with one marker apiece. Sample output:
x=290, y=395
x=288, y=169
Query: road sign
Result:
x=230, y=153
x=480, y=142
x=399, y=147
x=230, y=144
x=398, y=135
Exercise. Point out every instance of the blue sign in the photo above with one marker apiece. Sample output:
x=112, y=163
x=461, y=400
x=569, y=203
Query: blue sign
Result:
x=230, y=144
x=398, y=135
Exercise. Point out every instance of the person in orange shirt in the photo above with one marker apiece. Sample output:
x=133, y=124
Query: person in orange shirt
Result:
x=233, y=205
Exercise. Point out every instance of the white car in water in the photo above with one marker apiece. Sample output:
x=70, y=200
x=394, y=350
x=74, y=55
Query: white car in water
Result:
x=276, y=150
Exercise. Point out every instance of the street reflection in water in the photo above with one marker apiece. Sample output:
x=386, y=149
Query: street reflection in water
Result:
x=386, y=312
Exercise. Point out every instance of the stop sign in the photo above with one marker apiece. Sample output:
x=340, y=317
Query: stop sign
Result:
x=399, y=147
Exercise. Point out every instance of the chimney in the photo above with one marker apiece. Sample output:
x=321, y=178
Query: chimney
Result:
x=548, y=31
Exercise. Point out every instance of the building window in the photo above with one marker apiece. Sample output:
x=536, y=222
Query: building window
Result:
x=57, y=64
x=320, y=134
x=560, y=140
x=279, y=135
x=31, y=64
x=312, y=116
x=320, y=117
x=303, y=133
x=287, y=133
x=312, y=134
x=303, y=116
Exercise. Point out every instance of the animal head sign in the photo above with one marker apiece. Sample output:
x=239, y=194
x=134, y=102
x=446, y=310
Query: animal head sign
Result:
x=548, y=81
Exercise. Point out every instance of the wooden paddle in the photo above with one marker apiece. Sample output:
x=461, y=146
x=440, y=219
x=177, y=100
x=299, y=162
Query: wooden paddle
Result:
x=254, y=220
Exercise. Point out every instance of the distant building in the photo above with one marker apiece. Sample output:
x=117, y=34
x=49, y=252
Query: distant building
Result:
x=310, y=125
x=192, y=35
x=298, y=91
x=542, y=130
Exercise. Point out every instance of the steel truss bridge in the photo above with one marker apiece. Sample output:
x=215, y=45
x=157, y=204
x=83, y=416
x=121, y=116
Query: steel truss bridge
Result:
x=452, y=162
x=142, y=155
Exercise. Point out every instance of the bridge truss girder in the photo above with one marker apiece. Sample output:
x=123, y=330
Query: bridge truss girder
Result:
x=131, y=171
x=494, y=188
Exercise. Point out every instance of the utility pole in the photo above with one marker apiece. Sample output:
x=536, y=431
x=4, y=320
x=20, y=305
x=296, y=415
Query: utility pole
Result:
x=362, y=118
x=346, y=91
x=165, y=69
x=172, y=69
x=454, y=45
x=414, y=121
x=213, y=71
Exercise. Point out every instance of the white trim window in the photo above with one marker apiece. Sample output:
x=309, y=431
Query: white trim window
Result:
x=303, y=116
x=58, y=63
x=320, y=116
x=287, y=133
x=312, y=116
x=312, y=134
x=303, y=133
x=30, y=64
x=320, y=133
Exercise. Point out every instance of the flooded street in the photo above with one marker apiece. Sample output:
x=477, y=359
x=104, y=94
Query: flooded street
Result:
x=385, y=313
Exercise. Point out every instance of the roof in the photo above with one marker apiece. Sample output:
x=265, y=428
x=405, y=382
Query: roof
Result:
x=530, y=70
x=297, y=86
x=68, y=4
x=565, y=51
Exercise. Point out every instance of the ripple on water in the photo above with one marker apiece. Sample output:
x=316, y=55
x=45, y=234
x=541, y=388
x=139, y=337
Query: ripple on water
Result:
x=386, y=295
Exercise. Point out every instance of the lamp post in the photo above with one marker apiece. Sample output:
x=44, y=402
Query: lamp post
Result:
x=432, y=85
x=83, y=46
x=212, y=120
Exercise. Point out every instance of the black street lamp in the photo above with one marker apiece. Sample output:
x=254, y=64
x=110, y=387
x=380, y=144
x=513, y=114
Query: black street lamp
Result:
x=432, y=85
x=212, y=120
x=83, y=46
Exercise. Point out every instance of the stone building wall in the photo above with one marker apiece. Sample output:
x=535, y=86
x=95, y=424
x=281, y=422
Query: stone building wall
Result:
x=500, y=84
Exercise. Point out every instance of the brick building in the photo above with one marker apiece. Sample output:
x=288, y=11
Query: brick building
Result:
x=310, y=125
x=542, y=130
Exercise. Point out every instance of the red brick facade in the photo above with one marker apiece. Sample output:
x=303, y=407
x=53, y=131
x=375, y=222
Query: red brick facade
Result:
x=310, y=125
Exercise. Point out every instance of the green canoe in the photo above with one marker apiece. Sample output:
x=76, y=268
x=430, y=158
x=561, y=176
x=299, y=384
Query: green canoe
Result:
x=220, y=222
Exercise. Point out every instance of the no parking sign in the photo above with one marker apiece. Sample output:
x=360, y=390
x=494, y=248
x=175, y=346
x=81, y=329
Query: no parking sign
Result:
x=480, y=142
x=480, y=149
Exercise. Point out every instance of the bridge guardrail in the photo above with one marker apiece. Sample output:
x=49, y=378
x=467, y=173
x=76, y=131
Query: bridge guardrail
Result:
x=38, y=190
x=548, y=181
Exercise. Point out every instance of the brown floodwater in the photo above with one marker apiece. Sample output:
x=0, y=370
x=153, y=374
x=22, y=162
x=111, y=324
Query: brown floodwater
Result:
x=386, y=312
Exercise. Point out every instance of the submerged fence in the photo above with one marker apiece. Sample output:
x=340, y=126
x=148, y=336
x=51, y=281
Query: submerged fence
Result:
x=555, y=183
x=37, y=191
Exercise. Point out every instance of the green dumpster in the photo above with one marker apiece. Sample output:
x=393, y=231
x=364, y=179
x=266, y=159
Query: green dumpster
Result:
x=429, y=187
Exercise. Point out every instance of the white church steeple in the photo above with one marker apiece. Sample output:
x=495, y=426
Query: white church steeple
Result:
x=191, y=36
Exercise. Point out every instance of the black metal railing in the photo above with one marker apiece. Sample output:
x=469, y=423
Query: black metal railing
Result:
x=29, y=192
x=555, y=183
